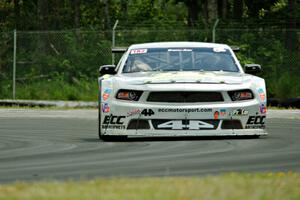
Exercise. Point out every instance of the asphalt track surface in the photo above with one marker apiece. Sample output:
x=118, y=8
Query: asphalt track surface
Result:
x=63, y=145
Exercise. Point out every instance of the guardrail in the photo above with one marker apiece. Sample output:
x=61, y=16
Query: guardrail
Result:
x=285, y=103
x=32, y=103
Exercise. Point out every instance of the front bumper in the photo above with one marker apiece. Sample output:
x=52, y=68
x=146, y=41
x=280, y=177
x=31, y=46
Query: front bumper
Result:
x=125, y=118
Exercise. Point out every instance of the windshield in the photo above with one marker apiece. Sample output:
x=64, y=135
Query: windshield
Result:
x=180, y=59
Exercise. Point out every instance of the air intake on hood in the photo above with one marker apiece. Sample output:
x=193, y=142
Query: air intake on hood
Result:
x=185, y=97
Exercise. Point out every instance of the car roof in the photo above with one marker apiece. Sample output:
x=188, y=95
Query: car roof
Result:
x=178, y=45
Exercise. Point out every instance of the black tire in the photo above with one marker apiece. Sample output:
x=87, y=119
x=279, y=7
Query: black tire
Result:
x=253, y=136
x=103, y=137
x=112, y=138
x=99, y=123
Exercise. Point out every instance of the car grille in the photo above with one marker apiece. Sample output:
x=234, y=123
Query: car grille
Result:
x=138, y=124
x=185, y=97
x=231, y=124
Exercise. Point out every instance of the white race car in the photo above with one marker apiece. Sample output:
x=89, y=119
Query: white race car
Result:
x=180, y=89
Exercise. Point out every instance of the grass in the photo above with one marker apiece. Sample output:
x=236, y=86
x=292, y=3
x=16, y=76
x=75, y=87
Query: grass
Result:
x=262, y=186
x=85, y=90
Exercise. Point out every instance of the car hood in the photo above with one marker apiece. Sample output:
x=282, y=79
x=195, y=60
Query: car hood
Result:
x=141, y=78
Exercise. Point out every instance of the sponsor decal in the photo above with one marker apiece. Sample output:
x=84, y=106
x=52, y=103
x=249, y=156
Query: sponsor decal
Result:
x=219, y=49
x=240, y=112
x=105, y=108
x=188, y=110
x=261, y=94
x=185, y=124
x=223, y=112
x=134, y=112
x=180, y=50
x=145, y=112
x=113, y=122
x=216, y=115
x=106, y=94
x=256, y=122
x=138, y=51
x=263, y=109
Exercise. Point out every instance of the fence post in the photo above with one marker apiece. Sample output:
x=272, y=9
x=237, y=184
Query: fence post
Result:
x=113, y=41
x=14, y=64
x=214, y=31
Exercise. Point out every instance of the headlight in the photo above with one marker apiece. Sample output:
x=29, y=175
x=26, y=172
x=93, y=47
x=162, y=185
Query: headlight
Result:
x=130, y=95
x=241, y=95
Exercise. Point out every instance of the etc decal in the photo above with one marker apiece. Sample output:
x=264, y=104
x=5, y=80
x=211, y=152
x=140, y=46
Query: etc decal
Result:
x=105, y=108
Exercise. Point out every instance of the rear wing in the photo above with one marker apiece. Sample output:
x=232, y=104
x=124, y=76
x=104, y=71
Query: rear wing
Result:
x=119, y=49
x=235, y=48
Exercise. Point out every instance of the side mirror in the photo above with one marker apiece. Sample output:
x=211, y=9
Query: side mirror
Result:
x=107, y=69
x=252, y=68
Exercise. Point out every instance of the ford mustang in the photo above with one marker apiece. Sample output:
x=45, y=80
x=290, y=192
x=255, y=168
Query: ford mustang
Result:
x=180, y=89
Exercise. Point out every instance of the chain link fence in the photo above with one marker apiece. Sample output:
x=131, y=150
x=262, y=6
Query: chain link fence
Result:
x=64, y=64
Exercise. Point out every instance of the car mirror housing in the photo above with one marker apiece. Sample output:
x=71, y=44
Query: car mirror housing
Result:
x=107, y=69
x=252, y=68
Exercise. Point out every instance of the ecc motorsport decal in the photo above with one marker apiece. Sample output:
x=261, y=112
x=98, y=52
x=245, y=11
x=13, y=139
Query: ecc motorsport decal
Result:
x=255, y=122
x=113, y=122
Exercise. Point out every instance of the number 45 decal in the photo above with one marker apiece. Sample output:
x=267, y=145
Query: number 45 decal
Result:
x=193, y=124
